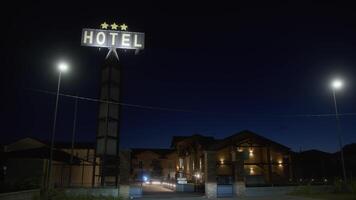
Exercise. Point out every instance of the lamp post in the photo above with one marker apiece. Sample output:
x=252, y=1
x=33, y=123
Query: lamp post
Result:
x=73, y=138
x=337, y=85
x=62, y=67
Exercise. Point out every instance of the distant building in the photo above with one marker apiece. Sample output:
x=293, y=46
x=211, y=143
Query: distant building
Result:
x=153, y=164
x=314, y=166
x=26, y=160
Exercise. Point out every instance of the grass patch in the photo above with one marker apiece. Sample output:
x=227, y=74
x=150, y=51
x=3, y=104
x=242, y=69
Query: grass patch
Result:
x=84, y=197
x=58, y=195
x=329, y=196
x=334, y=192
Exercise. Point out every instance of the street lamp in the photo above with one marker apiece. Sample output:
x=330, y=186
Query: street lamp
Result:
x=337, y=84
x=62, y=68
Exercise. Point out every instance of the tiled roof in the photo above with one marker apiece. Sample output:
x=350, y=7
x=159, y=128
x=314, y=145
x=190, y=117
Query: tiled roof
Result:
x=161, y=152
x=41, y=153
x=241, y=137
x=202, y=140
x=63, y=145
x=79, y=145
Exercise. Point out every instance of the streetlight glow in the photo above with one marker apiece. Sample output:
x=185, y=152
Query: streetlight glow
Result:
x=337, y=84
x=63, y=67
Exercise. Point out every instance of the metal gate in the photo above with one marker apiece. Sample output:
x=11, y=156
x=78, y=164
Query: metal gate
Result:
x=225, y=190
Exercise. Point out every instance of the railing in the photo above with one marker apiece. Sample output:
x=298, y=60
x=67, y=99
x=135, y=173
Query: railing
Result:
x=169, y=184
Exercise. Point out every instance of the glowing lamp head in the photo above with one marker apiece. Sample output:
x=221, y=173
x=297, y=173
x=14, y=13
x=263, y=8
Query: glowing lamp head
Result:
x=252, y=171
x=63, y=67
x=251, y=152
x=222, y=161
x=280, y=163
x=337, y=84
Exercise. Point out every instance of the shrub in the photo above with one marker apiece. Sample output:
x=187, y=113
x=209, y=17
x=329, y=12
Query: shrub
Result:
x=28, y=183
x=61, y=195
x=338, y=185
x=302, y=190
x=353, y=186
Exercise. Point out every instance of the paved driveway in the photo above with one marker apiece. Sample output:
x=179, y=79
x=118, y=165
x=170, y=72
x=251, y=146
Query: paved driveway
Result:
x=151, y=192
x=152, y=189
x=160, y=192
x=185, y=196
x=280, y=197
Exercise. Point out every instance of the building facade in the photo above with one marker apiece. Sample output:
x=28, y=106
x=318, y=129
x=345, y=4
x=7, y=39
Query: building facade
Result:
x=153, y=164
x=263, y=161
x=27, y=160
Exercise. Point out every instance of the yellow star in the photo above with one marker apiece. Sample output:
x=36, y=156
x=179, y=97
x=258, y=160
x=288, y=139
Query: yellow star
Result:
x=114, y=26
x=123, y=27
x=104, y=25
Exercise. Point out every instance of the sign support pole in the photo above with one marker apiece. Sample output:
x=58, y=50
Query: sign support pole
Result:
x=108, y=121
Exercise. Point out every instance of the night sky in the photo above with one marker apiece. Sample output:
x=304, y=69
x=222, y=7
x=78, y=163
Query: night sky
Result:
x=207, y=68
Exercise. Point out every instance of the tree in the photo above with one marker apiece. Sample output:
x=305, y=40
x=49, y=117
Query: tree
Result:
x=156, y=168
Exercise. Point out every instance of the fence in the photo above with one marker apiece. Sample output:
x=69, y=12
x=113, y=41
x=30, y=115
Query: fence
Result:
x=225, y=190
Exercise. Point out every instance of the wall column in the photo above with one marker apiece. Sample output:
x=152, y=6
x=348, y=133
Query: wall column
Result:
x=239, y=186
x=210, y=174
x=180, y=166
x=124, y=187
x=291, y=175
x=269, y=165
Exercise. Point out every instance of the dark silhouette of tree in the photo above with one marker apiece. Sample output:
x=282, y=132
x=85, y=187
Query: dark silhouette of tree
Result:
x=156, y=168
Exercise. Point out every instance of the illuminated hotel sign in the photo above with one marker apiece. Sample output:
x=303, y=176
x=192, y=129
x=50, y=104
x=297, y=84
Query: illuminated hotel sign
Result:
x=114, y=38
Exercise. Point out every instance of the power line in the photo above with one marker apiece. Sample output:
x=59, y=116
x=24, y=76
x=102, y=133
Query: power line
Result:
x=183, y=110
x=112, y=102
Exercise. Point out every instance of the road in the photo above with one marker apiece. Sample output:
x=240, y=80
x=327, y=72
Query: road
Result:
x=187, y=197
x=151, y=192
x=160, y=192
